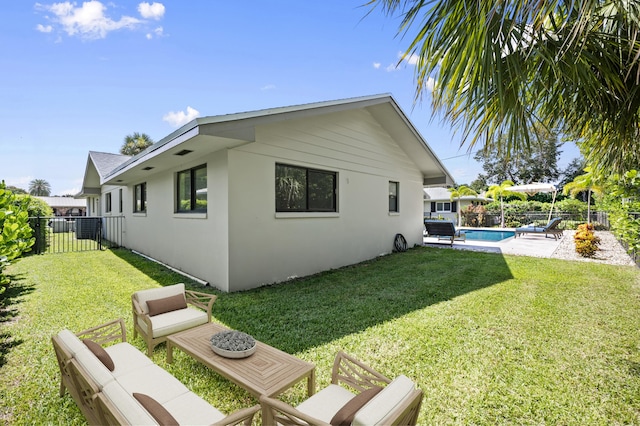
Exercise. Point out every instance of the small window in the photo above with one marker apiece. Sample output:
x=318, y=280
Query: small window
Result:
x=140, y=198
x=107, y=203
x=120, y=200
x=192, y=190
x=393, y=197
x=442, y=207
x=299, y=189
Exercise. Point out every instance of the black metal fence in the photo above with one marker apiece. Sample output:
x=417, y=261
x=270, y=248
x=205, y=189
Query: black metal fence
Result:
x=515, y=219
x=71, y=234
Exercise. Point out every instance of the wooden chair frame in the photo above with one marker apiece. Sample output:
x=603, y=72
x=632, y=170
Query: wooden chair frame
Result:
x=351, y=373
x=198, y=299
x=73, y=377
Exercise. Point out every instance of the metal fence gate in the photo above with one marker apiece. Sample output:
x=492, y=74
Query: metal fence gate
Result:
x=75, y=233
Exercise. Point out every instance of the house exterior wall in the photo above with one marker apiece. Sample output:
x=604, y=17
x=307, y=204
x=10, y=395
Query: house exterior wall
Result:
x=267, y=247
x=194, y=243
x=242, y=243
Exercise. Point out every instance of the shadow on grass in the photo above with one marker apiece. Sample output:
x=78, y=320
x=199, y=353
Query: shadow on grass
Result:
x=315, y=310
x=160, y=274
x=311, y=311
x=9, y=300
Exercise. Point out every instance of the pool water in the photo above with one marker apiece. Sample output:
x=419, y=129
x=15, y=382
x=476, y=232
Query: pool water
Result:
x=484, y=235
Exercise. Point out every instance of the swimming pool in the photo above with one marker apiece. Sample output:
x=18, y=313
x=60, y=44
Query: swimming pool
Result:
x=487, y=235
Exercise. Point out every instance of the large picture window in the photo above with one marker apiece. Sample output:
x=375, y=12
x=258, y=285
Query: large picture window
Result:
x=299, y=189
x=140, y=198
x=192, y=190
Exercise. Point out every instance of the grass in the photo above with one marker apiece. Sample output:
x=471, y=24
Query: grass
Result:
x=489, y=338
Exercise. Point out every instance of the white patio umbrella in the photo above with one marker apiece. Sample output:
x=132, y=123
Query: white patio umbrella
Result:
x=534, y=188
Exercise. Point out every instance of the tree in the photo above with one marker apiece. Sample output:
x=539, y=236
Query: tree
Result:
x=16, y=190
x=501, y=191
x=135, y=143
x=537, y=164
x=497, y=68
x=459, y=192
x=39, y=187
x=588, y=182
x=574, y=169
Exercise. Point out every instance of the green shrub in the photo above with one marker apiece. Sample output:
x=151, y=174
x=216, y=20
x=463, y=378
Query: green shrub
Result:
x=586, y=241
x=15, y=233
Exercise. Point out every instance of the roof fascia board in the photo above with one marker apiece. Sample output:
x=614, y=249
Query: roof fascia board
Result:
x=448, y=179
x=145, y=156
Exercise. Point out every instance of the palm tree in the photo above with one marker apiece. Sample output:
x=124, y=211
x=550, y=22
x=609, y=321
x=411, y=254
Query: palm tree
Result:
x=135, y=144
x=588, y=182
x=459, y=192
x=39, y=187
x=501, y=191
x=497, y=68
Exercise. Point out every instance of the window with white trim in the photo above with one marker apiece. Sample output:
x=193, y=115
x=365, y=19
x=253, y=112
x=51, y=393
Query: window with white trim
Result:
x=443, y=207
x=191, y=192
x=300, y=189
x=393, y=197
x=140, y=198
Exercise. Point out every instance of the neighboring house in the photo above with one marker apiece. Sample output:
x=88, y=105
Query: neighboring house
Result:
x=438, y=203
x=254, y=198
x=65, y=206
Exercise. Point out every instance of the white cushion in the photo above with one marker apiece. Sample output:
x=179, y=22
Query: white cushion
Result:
x=326, y=403
x=71, y=342
x=100, y=374
x=190, y=409
x=152, y=380
x=175, y=321
x=375, y=411
x=157, y=293
x=127, y=405
x=126, y=358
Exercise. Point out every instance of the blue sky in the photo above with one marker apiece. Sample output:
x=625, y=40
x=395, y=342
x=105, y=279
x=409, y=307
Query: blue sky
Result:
x=80, y=76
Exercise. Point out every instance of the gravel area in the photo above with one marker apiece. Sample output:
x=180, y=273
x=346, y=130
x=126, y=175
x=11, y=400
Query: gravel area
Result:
x=610, y=250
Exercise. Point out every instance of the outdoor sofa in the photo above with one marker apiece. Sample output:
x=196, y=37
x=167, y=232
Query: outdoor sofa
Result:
x=444, y=230
x=118, y=384
x=160, y=312
x=366, y=397
x=550, y=228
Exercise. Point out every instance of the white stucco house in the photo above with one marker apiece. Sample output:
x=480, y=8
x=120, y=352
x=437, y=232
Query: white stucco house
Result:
x=438, y=203
x=254, y=198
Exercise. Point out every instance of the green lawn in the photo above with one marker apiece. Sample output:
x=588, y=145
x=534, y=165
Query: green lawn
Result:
x=489, y=338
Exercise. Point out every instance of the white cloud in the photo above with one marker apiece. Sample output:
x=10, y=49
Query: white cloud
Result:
x=87, y=21
x=430, y=85
x=376, y=65
x=410, y=59
x=178, y=118
x=268, y=87
x=158, y=32
x=151, y=11
x=44, y=29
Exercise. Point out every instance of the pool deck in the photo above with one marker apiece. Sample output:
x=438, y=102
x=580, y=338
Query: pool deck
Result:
x=525, y=245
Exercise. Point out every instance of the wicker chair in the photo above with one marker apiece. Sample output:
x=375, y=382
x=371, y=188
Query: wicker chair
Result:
x=396, y=403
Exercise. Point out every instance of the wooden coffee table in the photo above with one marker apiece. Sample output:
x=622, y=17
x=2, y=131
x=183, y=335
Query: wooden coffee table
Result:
x=269, y=371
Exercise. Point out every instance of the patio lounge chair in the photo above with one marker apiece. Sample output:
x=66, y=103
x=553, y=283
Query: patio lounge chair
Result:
x=371, y=398
x=550, y=229
x=444, y=230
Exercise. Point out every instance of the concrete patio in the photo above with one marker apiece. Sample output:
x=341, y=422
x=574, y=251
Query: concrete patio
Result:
x=526, y=245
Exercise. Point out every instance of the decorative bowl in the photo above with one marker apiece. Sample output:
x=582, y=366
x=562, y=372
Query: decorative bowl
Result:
x=233, y=344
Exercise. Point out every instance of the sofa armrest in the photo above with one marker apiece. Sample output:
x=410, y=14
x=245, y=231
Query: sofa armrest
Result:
x=105, y=333
x=275, y=411
x=243, y=416
x=201, y=300
x=355, y=374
